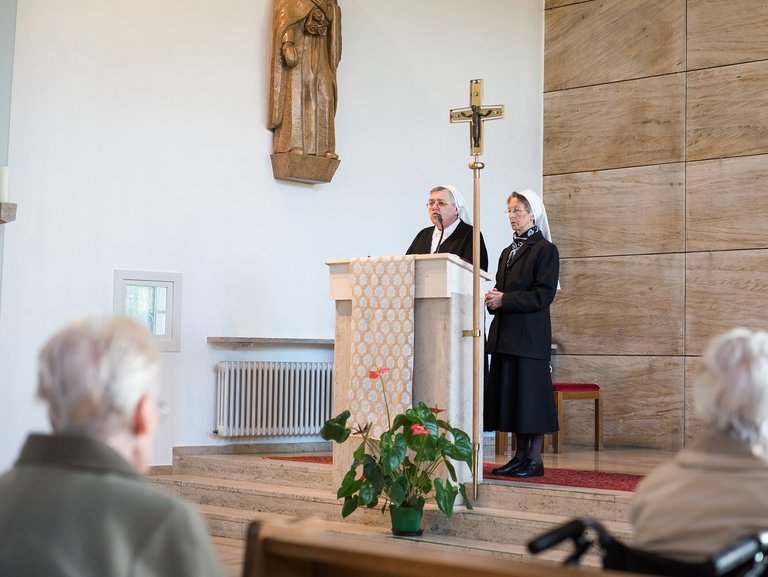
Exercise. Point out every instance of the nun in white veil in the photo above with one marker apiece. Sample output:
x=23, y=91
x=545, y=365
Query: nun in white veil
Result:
x=518, y=390
x=451, y=230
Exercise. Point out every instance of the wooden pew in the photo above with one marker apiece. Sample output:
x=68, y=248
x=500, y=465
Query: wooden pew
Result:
x=305, y=549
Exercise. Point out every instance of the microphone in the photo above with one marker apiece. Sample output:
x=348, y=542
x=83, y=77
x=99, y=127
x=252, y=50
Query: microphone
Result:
x=439, y=218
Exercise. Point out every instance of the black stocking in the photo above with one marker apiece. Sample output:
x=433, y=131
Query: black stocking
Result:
x=536, y=446
x=522, y=446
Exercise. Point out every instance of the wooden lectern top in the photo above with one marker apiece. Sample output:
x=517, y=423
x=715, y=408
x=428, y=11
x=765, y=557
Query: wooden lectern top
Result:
x=437, y=276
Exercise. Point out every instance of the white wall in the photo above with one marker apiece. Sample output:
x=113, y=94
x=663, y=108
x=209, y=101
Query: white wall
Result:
x=138, y=141
x=7, y=27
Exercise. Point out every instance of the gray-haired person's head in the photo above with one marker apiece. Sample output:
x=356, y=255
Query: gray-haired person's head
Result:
x=732, y=386
x=93, y=373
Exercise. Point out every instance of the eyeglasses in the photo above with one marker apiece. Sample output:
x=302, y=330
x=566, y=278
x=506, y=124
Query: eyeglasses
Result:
x=517, y=211
x=438, y=203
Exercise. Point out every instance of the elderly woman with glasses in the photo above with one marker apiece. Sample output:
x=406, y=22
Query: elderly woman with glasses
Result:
x=451, y=230
x=518, y=390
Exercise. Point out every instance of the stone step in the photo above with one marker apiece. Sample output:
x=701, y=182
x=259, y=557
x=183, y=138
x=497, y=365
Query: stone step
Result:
x=251, y=495
x=253, y=467
x=491, y=524
x=234, y=489
x=227, y=523
x=603, y=504
x=506, y=526
x=568, y=501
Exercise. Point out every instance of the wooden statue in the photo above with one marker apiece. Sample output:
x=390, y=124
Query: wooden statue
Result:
x=306, y=49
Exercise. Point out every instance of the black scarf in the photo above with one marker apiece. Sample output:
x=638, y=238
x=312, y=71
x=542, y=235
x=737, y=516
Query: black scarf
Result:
x=518, y=241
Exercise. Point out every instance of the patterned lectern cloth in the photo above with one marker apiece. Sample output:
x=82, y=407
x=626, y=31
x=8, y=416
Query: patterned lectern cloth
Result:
x=383, y=298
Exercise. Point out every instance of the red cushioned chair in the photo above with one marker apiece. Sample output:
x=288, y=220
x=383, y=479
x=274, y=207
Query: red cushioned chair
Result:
x=576, y=391
x=566, y=392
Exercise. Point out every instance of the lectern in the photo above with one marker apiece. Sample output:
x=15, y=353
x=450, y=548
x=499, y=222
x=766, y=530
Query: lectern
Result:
x=441, y=355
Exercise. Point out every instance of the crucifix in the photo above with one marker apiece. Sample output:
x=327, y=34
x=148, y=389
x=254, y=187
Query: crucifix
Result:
x=476, y=115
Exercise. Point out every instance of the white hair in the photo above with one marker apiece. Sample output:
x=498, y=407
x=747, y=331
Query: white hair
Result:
x=93, y=373
x=732, y=386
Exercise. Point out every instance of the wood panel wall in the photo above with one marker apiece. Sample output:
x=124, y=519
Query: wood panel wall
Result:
x=655, y=159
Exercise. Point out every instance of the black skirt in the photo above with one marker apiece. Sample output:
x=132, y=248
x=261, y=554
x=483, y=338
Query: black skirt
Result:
x=518, y=396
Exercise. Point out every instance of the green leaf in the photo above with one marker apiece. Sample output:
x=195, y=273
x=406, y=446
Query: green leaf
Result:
x=399, y=490
x=359, y=452
x=368, y=494
x=350, y=504
x=392, y=454
x=463, y=491
x=424, y=414
x=373, y=472
x=417, y=503
x=417, y=442
x=445, y=425
x=430, y=425
x=401, y=420
x=335, y=429
x=445, y=495
x=451, y=469
x=460, y=449
x=349, y=485
x=430, y=450
x=425, y=484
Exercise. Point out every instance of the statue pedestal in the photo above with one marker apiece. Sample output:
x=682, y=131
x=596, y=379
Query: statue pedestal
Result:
x=307, y=168
x=7, y=212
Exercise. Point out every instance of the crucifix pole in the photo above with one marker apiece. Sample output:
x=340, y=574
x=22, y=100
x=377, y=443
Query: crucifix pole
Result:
x=476, y=115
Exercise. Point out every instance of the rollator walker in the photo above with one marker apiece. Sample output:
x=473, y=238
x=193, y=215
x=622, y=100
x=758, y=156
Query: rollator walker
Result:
x=745, y=557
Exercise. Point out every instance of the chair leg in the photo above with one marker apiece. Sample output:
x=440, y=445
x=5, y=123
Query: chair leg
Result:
x=557, y=436
x=502, y=442
x=599, y=421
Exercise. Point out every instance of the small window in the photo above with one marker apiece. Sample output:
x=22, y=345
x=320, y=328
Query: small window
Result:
x=154, y=300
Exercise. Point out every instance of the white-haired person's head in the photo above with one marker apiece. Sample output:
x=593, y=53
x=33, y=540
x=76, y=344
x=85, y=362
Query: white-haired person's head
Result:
x=732, y=387
x=99, y=378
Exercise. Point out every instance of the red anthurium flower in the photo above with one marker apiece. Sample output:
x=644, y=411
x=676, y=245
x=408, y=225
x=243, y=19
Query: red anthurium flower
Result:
x=417, y=429
x=376, y=373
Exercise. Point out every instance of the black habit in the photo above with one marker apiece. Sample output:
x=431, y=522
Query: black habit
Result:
x=518, y=391
x=459, y=243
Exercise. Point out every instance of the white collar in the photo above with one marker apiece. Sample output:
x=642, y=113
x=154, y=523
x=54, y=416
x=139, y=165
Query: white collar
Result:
x=446, y=233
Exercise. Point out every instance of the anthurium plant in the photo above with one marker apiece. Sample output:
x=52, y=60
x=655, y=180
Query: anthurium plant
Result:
x=399, y=468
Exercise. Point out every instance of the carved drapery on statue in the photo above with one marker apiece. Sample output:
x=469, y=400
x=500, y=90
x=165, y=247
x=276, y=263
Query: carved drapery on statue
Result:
x=306, y=50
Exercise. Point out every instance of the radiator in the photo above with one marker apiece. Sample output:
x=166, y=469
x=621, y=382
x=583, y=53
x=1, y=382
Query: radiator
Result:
x=255, y=398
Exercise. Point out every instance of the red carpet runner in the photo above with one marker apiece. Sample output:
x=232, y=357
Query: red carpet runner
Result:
x=567, y=477
x=573, y=478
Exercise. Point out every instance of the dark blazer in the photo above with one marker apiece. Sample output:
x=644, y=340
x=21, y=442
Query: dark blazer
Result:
x=459, y=243
x=522, y=325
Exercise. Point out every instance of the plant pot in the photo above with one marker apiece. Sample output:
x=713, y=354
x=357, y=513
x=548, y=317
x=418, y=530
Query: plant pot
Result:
x=406, y=521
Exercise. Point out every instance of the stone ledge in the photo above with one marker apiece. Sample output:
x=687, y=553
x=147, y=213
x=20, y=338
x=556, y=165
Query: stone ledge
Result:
x=250, y=342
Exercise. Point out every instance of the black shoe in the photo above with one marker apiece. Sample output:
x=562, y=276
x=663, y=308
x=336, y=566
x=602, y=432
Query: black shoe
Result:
x=509, y=468
x=529, y=468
